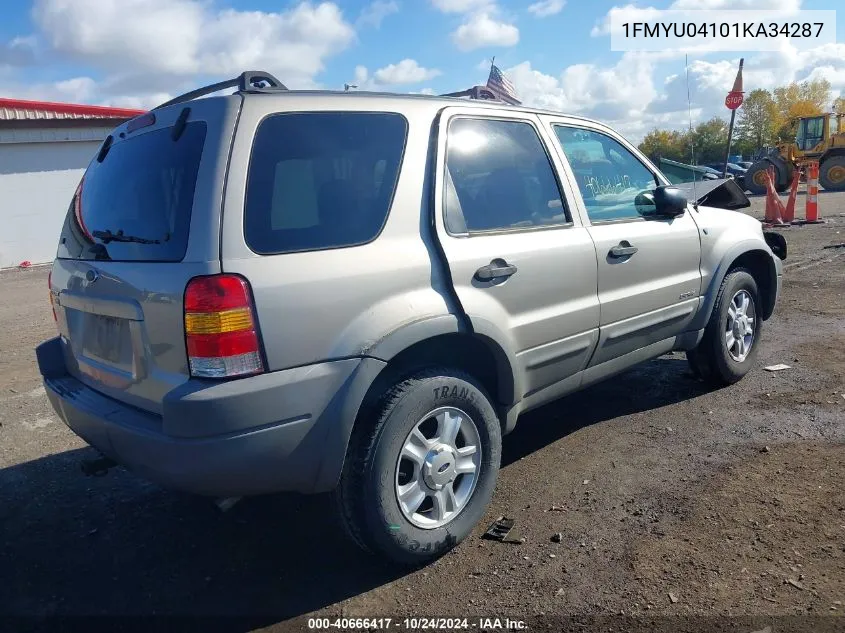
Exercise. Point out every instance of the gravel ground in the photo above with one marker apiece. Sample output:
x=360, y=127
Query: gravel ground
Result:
x=673, y=503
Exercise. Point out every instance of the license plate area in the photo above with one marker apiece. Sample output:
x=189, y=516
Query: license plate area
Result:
x=104, y=338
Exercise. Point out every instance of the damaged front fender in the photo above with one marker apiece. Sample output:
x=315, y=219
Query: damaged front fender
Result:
x=721, y=194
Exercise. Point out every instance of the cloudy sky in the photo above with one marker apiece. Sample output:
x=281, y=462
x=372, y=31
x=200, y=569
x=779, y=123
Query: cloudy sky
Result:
x=138, y=53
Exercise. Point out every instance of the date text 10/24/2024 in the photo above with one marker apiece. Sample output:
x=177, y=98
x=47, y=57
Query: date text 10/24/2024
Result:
x=416, y=624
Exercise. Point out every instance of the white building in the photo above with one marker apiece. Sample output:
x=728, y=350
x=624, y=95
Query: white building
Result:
x=44, y=149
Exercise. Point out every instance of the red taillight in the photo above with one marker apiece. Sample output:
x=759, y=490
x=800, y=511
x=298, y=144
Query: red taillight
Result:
x=77, y=210
x=220, y=329
x=50, y=290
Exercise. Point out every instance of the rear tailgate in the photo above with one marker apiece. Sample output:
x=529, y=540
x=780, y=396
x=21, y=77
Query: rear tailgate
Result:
x=145, y=220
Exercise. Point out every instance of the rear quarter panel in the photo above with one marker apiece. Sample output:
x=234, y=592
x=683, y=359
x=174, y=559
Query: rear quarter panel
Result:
x=327, y=304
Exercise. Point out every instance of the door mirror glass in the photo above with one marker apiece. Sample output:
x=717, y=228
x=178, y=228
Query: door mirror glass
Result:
x=668, y=202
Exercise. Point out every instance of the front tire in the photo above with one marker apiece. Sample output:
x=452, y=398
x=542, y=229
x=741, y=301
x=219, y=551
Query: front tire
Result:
x=728, y=349
x=418, y=478
x=832, y=174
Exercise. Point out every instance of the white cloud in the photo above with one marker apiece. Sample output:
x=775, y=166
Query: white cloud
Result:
x=81, y=90
x=375, y=13
x=481, y=26
x=190, y=37
x=545, y=8
x=461, y=6
x=481, y=30
x=78, y=89
x=618, y=95
x=362, y=75
x=618, y=92
x=620, y=15
x=408, y=71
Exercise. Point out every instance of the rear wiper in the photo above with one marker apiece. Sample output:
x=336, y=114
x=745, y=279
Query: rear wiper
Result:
x=107, y=236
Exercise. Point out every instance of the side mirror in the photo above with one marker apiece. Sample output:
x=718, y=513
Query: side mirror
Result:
x=669, y=202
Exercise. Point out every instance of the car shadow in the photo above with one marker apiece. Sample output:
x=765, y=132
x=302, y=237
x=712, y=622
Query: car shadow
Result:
x=655, y=383
x=117, y=547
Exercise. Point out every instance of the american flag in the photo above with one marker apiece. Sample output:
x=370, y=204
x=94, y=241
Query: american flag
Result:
x=501, y=86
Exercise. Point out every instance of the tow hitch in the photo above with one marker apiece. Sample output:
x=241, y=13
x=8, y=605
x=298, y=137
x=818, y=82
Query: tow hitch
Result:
x=97, y=467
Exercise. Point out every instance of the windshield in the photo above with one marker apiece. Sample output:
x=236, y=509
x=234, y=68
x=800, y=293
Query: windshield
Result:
x=136, y=204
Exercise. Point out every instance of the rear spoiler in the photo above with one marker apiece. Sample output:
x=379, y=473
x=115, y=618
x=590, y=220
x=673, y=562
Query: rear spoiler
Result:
x=722, y=194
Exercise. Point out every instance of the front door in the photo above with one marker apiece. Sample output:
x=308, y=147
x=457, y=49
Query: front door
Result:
x=523, y=268
x=648, y=268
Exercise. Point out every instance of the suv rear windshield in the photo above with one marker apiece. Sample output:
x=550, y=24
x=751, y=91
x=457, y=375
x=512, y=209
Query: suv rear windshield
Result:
x=321, y=180
x=136, y=204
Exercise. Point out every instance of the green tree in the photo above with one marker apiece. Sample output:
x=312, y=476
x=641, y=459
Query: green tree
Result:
x=755, y=126
x=808, y=98
x=710, y=140
x=839, y=105
x=669, y=144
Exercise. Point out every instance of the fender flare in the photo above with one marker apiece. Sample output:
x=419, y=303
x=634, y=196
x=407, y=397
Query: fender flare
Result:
x=346, y=405
x=410, y=334
x=737, y=250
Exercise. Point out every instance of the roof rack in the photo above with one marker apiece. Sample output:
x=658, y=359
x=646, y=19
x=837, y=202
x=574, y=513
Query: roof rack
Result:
x=476, y=92
x=248, y=81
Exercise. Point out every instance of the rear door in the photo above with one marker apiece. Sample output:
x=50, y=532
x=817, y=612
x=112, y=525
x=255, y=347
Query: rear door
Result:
x=521, y=264
x=144, y=221
x=649, y=279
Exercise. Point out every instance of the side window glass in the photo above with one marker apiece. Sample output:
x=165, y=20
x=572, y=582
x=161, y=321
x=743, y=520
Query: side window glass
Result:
x=501, y=177
x=321, y=180
x=611, y=179
x=816, y=133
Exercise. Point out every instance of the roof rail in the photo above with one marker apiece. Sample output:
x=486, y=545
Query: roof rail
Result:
x=247, y=81
x=476, y=92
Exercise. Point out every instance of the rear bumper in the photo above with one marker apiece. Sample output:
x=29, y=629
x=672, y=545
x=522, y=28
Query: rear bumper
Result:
x=281, y=431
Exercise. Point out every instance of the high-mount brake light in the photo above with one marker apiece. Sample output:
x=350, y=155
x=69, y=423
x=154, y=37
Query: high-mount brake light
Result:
x=145, y=120
x=220, y=328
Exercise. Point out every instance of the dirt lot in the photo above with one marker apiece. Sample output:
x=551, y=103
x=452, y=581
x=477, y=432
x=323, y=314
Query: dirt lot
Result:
x=671, y=500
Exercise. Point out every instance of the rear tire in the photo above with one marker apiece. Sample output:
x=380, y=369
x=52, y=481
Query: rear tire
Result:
x=728, y=349
x=378, y=471
x=832, y=174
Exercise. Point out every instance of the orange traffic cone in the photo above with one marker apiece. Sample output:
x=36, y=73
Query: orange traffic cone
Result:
x=774, y=207
x=789, y=210
x=811, y=213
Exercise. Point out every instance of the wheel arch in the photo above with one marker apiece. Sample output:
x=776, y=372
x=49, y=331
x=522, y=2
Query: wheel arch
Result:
x=441, y=341
x=759, y=262
x=434, y=341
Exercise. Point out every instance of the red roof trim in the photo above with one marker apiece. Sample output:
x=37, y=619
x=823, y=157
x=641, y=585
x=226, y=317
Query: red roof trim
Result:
x=70, y=108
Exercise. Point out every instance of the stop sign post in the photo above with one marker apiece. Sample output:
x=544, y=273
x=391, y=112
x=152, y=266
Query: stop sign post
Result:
x=733, y=100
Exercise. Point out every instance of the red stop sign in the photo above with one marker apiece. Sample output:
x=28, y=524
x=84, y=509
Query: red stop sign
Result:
x=733, y=100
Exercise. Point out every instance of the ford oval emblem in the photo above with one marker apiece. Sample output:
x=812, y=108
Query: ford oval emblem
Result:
x=91, y=276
